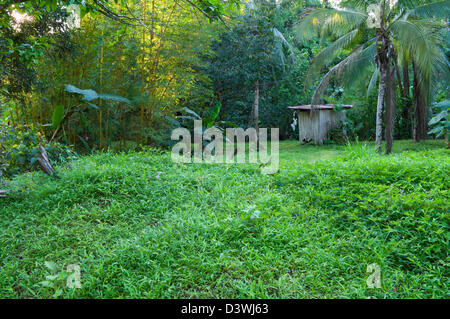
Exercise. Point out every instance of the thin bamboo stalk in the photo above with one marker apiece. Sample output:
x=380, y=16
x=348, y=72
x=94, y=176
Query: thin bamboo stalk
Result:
x=101, y=91
x=141, y=138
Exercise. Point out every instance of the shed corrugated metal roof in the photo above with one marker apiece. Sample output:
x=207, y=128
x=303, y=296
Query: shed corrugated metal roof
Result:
x=319, y=107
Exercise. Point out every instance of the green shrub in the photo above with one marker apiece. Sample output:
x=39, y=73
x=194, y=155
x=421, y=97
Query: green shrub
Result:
x=440, y=122
x=19, y=149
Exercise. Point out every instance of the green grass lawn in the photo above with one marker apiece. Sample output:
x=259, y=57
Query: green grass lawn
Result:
x=227, y=231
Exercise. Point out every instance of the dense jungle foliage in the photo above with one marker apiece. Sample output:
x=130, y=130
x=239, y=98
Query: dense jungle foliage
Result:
x=181, y=56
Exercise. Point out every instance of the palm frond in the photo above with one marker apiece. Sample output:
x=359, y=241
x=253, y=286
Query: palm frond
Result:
x=373, y=81
x=325, y=56
x=406, y=4
x=422, y=40
x=404, y=56
x=320, y=89
x=358, y=66
x=280, y=38
x=328, y=21
x=357, y=58
x=323, y=84
x=280, y=42
x=437, y=9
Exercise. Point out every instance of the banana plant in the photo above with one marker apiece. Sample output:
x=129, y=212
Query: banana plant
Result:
x=90, y=95
x=87, y=96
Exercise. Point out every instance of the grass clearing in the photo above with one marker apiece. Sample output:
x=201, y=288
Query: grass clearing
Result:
x=227, y=231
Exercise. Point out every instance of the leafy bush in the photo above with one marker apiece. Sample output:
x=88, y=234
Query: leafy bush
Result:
x=19, y=149
x=440, y=122
x=123, y=146
x=343, y=132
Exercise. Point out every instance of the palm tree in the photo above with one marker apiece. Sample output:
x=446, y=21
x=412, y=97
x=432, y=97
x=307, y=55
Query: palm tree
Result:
x=377, y=31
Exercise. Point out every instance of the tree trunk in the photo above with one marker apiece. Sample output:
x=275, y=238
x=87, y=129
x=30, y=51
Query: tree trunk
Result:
x=405, y=79
x=383, y=66
x=250, y=120
x=385, y=93
x=380, y=101
x=420, y=109
x=390, y=111
x=256, y=108
x=389, y=99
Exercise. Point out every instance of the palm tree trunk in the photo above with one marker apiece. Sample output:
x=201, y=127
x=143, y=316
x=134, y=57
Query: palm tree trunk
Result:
x=390, y=111
x=380, y=101
x=385, y=93
x=383, y=66
x=391, y=108
x=420, y=109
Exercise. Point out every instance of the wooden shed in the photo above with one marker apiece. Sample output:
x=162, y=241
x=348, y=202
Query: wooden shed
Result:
x=315, y=125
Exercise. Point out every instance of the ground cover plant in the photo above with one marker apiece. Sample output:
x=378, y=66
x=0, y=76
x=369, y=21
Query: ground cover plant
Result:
x=139, y=225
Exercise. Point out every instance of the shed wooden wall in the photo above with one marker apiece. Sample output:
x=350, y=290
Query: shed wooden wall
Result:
x=316, y=126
